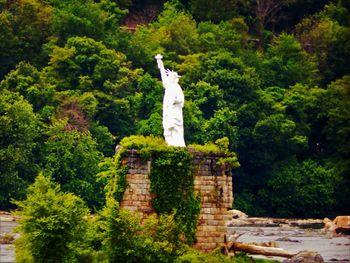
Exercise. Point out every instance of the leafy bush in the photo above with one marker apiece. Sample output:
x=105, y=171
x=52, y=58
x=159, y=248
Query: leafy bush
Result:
x=53, y=224
x=126, y=240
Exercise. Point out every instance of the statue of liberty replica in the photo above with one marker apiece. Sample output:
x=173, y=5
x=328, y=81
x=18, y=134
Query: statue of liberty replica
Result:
x=173, y=103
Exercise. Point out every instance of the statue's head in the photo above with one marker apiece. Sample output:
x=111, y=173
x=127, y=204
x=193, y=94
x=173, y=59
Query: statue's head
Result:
x=173, y=75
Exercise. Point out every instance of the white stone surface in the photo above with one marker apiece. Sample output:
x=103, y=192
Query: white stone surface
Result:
x=173, y=103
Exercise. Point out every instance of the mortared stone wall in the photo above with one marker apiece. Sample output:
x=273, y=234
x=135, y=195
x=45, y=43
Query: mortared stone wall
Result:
x=212, y=181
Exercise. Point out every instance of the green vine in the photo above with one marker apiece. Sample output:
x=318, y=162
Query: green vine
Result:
x=172, y=183
x=114, y=174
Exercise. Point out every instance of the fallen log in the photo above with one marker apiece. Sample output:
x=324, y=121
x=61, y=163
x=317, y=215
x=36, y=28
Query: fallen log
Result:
x=260, y=250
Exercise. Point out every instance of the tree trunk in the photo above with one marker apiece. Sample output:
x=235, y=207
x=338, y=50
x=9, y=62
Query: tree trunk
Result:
x=260, y=250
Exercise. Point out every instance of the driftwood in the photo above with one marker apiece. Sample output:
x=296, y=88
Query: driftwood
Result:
x=258, y=250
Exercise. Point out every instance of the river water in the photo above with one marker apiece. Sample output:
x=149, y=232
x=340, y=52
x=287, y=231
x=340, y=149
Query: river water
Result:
x=332, y=248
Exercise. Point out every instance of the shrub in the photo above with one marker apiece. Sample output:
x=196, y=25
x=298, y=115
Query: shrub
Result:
x=53, y=224
x=126, y=240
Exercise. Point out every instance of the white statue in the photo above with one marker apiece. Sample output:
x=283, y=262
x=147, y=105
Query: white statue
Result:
x=173, y=103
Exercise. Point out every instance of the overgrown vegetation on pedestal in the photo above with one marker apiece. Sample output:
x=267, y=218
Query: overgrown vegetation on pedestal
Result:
x=172, y=180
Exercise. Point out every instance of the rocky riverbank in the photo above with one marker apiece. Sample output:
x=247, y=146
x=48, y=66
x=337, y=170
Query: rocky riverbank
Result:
x=7, y=224
x=293, y=235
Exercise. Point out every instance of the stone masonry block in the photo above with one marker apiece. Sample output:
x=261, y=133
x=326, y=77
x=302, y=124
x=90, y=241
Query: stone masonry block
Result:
x=214, y=222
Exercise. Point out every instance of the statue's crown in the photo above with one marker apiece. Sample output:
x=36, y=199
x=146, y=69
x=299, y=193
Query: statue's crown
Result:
x=173, y=73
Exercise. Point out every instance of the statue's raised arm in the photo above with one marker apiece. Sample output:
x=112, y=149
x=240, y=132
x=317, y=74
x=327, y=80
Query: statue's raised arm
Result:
x=161, y=67
x=173, y=103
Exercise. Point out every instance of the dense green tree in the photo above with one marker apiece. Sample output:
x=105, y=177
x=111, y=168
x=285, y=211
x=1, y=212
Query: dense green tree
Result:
x=151, y=126
x=173, y=33
x=208, y=98
x=229, y=35
x=26, y=80
x=235, y=79
x=151, y=96
x=276, y=138
x=19, y=136
x=72, y=158
x=337, y=111
x=194, y=127
x=287, y=63
x=313, y=184
x=25, y=27
x=105, y=140
x=222, y=124
x=97, y=20
x=326, y=35
x=86, y=64
x=88, y=67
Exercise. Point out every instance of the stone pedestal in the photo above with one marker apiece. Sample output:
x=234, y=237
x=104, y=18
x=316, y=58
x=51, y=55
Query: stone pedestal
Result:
x=212, y=181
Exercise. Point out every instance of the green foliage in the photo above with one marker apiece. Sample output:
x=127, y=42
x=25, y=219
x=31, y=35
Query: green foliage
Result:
x=237, y=80
x=246, y=201
x=287, y=63
x=119, y=229
x=19, y=135
x=313, y=183
x=220, y=146
x=207, y=97
x=229, y=35
x=52, y=224
x=126, y=240
x=151, y=126
x=113, y=174
x=72, y=159
x=104, y=139
x=174, y=32
x=85, y=64
x=337, y=112
x=222, y=124
x=274, y=130
x=152, y=95
x=195, y=256
x=243, y=257
x=86, y=18
x=326, y=36
x=172, y=177
x=25, y=26
x=26, y=80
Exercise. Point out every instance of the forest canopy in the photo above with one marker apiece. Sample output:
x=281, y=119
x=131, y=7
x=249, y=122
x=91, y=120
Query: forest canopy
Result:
x=76, y=77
